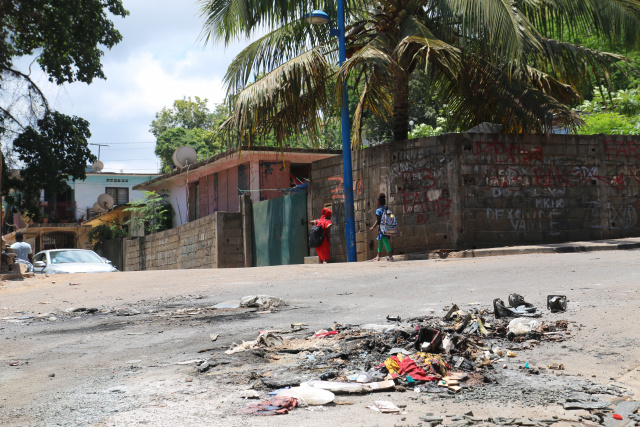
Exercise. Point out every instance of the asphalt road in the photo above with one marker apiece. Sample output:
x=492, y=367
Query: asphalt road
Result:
x=108, y=369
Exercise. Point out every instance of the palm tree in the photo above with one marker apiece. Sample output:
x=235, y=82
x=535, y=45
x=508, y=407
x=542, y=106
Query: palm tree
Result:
x=499, y=61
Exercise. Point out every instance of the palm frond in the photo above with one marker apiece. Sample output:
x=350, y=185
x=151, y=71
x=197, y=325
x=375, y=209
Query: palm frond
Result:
x=375, y=98
x=288, y=101
x=379, y=70
x=272, y=50
x=496, y=26
x=612, y=19
x=548, y=85
x=227, y=20
x=486, y=93
x=418, y=42
x=573, y=64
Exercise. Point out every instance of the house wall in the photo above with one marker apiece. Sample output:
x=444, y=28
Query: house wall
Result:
x=215, y=241
x=220, y=180
x=463, y=191
x=178, y=200
x=86, y=192
x=273, y=175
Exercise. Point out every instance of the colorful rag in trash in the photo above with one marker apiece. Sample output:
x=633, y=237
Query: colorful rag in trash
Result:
x=277, y=405
x=420, y=366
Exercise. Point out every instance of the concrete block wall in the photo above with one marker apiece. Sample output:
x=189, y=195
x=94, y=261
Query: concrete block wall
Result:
x=462, y=191
x=214, y=241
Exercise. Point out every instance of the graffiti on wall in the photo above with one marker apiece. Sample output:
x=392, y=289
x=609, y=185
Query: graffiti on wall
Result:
x=421, y=195
x=623, y=216
x=337, y=187
x=523, y=176
x=517, y=179
x=426, y=204
x=524, y=220
x=627, y=150
x=494, y=152
x=420, y=174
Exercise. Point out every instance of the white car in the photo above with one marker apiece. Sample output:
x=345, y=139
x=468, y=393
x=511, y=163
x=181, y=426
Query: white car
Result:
x=55, y=261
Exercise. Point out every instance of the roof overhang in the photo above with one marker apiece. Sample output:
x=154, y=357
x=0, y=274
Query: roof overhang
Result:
x=233, y=158
x=107, y=217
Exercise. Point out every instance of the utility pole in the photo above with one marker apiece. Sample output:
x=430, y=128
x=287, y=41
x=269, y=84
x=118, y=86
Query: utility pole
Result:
x=99, y=147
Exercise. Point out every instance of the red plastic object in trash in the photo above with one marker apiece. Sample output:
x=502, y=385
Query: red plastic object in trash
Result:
x=617, y=416
x=326, y=334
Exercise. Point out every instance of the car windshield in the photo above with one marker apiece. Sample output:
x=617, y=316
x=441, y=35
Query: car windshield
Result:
x=64, y=257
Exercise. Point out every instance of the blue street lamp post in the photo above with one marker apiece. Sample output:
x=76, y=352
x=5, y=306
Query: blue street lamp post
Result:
x=320, y=17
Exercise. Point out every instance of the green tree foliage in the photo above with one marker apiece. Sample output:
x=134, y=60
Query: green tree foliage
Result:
x=67, y=38
x=610, y=123
x=99, y=234
x=490, y=60
x=153, y=214
x=424, y=130
x=54, y=152
x=188, y=123
x=186, y=114
x=617, y=114
x=625, y=76
x=625, y=102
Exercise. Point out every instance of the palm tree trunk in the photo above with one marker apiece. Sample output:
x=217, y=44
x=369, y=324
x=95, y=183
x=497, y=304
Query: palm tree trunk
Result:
x=401, y=108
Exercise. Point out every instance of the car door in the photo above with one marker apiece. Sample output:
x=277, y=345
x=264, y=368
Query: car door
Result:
x=42, y=256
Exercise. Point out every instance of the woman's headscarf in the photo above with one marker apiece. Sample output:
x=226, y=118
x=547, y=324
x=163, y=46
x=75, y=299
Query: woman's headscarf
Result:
x=325, y=218
x=326, y=213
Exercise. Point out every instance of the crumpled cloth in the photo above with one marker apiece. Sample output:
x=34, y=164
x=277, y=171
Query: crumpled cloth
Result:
x=420, y=366
x=277, y=405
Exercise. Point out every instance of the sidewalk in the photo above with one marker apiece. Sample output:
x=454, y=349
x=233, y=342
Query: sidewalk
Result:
x=557, y=248
x=552, y=248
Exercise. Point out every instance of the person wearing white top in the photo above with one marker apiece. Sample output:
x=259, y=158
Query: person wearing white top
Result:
x=22, y=249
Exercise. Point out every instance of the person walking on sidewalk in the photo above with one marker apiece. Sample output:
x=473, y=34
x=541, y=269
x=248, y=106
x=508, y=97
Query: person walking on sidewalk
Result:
x=324, y=250
x=383, y=240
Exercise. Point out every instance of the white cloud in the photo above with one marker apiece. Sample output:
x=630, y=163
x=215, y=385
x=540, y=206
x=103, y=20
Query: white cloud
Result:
x=159, y=60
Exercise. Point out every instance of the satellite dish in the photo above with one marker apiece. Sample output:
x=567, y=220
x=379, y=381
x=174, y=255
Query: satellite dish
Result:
x=97, y=166
x=97, y=207
x=105, y=201
x=184, y=156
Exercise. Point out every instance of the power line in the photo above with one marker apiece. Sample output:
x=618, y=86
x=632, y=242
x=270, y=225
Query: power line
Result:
x=155, y=171
x=130, y=148
x=131, y=142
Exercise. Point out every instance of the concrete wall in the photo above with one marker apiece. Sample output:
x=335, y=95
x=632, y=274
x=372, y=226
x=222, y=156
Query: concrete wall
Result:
x=462, y=191
x=215, y=241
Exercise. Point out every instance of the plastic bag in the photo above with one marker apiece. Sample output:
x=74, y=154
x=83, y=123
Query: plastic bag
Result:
x=308, y=395
x=335, y=386
x=522, y=325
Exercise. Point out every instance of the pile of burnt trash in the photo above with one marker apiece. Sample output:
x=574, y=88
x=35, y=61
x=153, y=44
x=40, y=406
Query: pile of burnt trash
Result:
x=431, y=354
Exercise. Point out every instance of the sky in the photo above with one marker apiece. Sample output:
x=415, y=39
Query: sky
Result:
x=160, y=59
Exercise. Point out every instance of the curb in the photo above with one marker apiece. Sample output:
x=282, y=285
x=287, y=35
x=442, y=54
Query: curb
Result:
x=558, y=248
x=554, y=248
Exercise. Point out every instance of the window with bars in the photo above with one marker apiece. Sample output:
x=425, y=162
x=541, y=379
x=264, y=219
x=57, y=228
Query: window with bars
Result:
x=120, y=194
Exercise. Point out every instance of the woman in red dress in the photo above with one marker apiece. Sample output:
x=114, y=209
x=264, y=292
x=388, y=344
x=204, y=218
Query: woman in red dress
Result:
x=324, y=250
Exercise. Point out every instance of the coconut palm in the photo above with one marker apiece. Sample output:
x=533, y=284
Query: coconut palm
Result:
x=490, y=60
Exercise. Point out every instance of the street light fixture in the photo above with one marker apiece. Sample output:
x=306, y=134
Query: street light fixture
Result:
x=318, y=17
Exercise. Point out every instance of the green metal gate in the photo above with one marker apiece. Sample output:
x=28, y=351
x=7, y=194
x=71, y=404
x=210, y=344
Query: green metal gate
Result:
x=280, y=230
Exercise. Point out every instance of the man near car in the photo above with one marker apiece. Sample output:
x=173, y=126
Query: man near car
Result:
x=22, y=249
